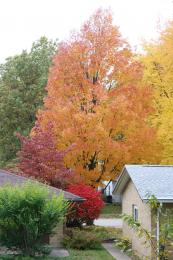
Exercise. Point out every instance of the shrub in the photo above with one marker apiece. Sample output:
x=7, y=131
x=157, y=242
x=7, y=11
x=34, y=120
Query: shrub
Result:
x=88, y=210
x=27, y=214
x=105, y=233
x=124, y=244
x=81, y=239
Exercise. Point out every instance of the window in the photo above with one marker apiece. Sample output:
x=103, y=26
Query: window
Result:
x=135, y=213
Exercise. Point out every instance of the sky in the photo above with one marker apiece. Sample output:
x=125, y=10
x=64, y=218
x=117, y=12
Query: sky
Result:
x=24, y=21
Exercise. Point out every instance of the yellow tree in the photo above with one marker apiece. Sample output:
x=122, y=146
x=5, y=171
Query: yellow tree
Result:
x=158, y=72
x=97, y=104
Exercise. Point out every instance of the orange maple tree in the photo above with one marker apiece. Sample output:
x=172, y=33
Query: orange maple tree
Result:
x=96, y=101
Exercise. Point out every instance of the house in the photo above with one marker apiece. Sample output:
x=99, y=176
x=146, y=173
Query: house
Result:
x=133, y=185
x=108, y=192
x=14, y=179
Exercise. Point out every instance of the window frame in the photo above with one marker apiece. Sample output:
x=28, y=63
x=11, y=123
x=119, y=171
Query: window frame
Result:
x=135, y=213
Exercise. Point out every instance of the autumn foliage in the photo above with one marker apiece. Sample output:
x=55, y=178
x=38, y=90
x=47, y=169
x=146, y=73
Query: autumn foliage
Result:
x=97, y=101
x=158, y=72
x=40, y=159
x=88, y=210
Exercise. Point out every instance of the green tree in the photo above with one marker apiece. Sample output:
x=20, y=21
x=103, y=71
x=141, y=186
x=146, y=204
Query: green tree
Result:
x=22, y=88
x=27, y=215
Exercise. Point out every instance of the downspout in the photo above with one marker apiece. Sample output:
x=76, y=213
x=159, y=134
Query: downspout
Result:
x=158, y=231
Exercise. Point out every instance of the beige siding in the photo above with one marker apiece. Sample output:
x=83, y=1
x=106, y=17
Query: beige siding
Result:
x=130, y=197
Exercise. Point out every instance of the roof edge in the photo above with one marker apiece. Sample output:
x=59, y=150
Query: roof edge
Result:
x=72, y=197
x=120, y=185
x=161, y=200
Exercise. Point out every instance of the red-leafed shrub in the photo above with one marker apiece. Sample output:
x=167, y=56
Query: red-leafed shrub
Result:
x=87, y=211
x=40, y=159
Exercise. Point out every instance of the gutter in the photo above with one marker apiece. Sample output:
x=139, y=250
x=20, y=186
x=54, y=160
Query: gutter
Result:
x=160, y=200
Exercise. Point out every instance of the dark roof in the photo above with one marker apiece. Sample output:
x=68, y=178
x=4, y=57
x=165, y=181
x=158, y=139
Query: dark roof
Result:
x=148, y=179
x=113, y=181
x=15, y=179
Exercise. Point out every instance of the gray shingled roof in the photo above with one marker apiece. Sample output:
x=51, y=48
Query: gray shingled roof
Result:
x=153, y=179
x=14, y=179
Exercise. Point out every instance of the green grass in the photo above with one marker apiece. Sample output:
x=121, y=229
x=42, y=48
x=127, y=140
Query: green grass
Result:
x=100, y=254
x=111, y=211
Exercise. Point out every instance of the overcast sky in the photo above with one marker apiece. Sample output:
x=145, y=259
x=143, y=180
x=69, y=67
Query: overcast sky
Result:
x=24, y=21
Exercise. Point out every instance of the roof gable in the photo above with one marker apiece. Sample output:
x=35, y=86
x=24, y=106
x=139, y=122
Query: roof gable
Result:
x=148, y=179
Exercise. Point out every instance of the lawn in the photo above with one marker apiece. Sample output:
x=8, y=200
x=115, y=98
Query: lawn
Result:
x=111, y=211
x=100, y=254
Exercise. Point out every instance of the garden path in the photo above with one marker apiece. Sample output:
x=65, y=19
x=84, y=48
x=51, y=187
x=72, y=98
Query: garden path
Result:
x=109, y=222
x=116, y=253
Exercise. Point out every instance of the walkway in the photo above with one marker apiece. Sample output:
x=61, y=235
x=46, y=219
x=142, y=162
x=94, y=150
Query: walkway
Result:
x=109, y=222
x=116, y=253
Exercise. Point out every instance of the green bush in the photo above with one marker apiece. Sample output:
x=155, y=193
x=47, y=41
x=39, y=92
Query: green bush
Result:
x=104, y=233
x=81, y=239
x=27, y=214
x=124, y=244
